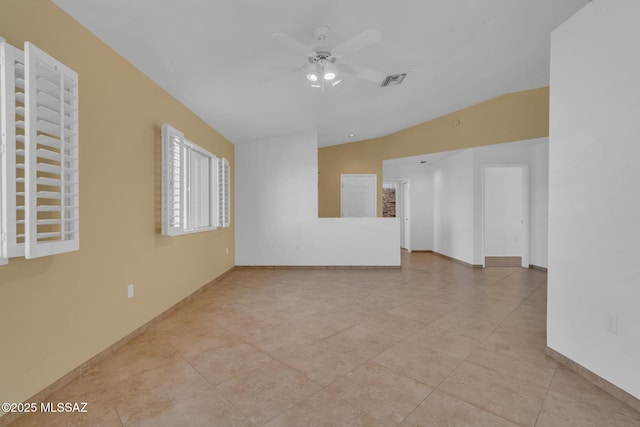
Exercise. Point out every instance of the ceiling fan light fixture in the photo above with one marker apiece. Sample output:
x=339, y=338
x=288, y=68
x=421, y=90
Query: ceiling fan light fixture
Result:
x=328, y=70
x=312, y=77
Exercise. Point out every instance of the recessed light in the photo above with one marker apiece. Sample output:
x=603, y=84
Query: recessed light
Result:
x=351, y=135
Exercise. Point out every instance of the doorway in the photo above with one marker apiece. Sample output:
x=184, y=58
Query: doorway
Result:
x=389, y=200
x=505, y=216
x=358, y=196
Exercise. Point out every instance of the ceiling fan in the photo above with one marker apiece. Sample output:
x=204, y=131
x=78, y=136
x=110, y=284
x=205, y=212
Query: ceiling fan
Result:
x=324, y=64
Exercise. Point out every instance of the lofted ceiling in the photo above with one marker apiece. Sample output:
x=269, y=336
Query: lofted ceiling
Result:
x=218, y=57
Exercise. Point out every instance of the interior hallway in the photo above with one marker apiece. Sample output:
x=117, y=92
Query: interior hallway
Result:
x=435, y=343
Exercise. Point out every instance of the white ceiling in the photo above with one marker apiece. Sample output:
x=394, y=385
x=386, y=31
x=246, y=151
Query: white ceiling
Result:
x=219, y=59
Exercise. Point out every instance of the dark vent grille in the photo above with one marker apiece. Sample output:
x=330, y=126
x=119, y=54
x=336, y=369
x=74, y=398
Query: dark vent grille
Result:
x=393, y=80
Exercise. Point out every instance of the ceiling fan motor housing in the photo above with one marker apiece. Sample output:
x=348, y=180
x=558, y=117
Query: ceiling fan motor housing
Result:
x=322, y=57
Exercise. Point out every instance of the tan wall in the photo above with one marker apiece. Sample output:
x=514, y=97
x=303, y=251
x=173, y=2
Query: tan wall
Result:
x=57, y=312
x=512, y=117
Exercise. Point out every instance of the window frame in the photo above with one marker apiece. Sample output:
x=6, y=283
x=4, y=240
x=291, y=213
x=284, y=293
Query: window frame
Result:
x=179, y=185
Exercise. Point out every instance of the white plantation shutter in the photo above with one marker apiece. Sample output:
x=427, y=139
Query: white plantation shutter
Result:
x=51, y=150
x=12, y=125
x=173, y=181
x=224, y=193
x=3, y=225
x=3, y=234
x=187, y=185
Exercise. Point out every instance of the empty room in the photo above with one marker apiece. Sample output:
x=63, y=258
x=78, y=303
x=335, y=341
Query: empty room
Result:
x=330, y=213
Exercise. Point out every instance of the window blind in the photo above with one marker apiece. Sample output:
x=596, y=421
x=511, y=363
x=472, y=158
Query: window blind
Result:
x=12, y=125
x=51, y=153
x=224, y=193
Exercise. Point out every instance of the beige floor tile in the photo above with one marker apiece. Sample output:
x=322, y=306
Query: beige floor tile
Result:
x=428, y=367
x=89, y=419
x=534, y=371
x=323, y=362
x=573, y=401
x=425, y=310
x=362, y=341
x=194, y=341
x=241, y=321
x=137, y=356
x=377, y=304
x=560, y=410
x=200, y=410
x=350, y=315
x=324, y=410
x=380, y=392
x=441, y=409
x=404, y=293
x=518, y=346
x=396, y=326
x=158, y=388
x=502, y=395
x=258, y=345
x=444, y=341
x=467, y=325
x=208, y=302
x=282, y=339
x=98, y=389
x=226, y=363
x=264, y=393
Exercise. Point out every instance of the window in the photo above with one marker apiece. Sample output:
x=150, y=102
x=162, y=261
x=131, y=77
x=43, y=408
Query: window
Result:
x=189, y=182
x=40, y=181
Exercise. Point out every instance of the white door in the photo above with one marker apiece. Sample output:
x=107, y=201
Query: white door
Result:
x=505, y=212
x=358, y=196
x=406, y=218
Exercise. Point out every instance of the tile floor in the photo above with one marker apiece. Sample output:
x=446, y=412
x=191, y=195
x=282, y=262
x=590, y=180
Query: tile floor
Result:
x=433, y=344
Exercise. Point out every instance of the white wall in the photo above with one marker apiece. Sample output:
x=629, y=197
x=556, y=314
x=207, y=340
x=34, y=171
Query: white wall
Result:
x=539, y=206
x=276, y=212
x=448, y=192
x=453, y=220
x=594, y=197
x=528, y=153
x=420, y=177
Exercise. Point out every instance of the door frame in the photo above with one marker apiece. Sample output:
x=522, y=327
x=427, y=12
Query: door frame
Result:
x=405, y=221
x=526, y=194
x=375, y=188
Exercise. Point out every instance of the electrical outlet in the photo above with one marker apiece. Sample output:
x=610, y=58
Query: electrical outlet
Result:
x=612, y=323
x=130, y=291
x=227, y=250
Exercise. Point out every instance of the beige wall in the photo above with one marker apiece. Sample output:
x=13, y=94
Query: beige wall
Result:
x=512, y=117
x=57, y=312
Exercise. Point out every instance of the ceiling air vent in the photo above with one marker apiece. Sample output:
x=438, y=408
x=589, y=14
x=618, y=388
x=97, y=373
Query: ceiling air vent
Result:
x=393, y=80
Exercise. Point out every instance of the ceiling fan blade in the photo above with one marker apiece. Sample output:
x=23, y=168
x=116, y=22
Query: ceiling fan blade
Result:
x=363, y=72
x=360, y=41
x=281, y=73
x=293, y=44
